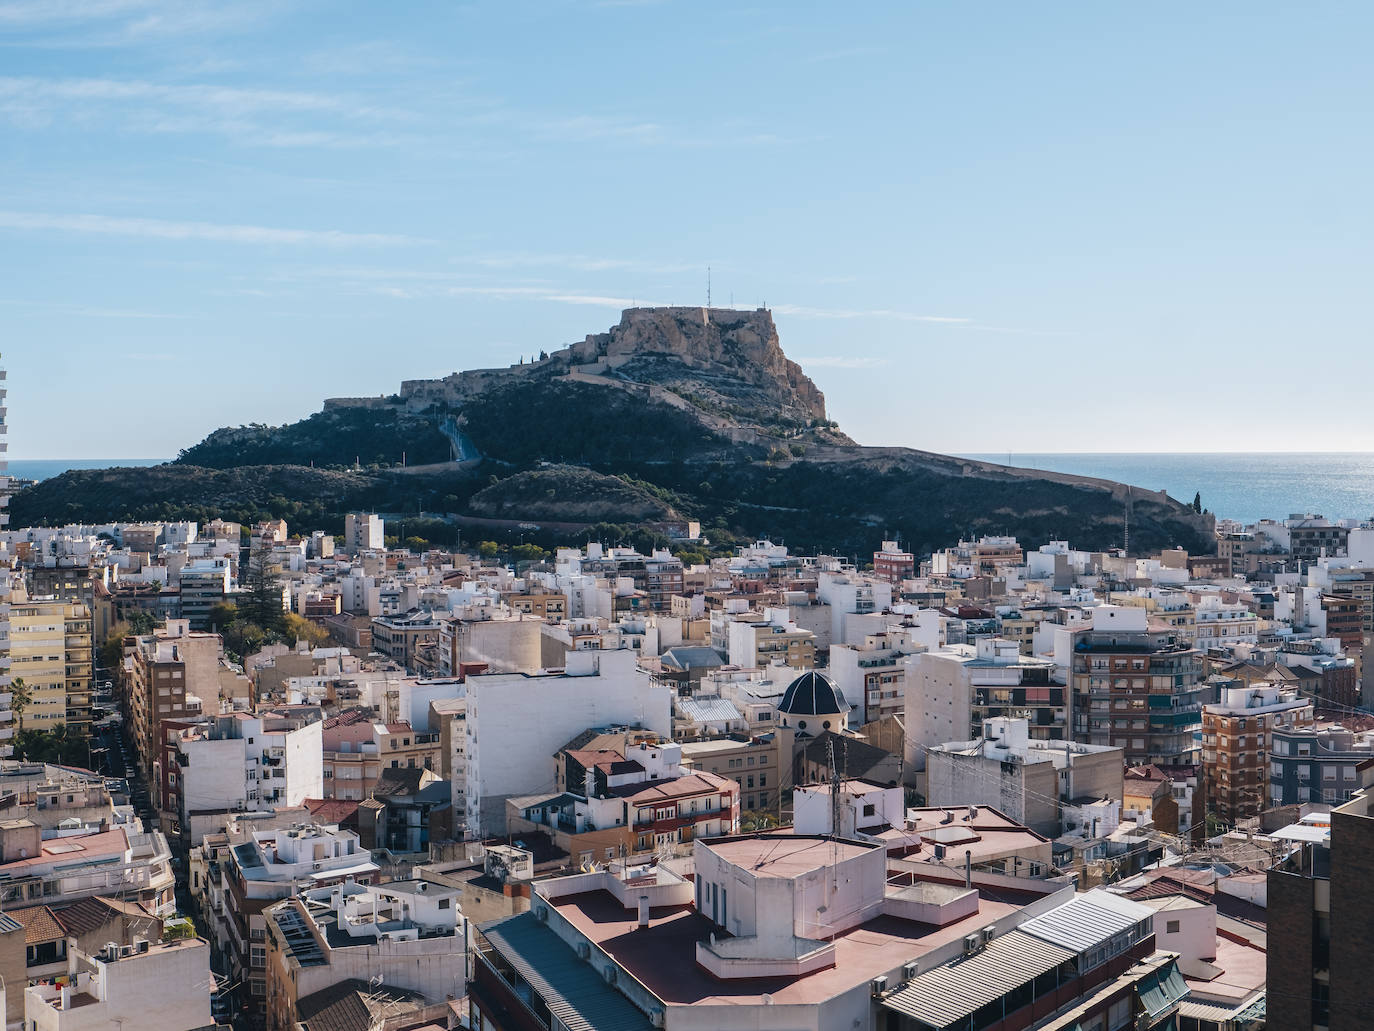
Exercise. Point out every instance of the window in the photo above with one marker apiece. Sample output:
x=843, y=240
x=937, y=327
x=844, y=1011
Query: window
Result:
x=443, y=903
x=1171, y=927
x=870, y=810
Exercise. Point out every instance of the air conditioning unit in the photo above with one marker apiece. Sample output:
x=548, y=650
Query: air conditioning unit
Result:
x=584, y=950
x=656, y=1018
x=988, y=933
x=971, y=943
x=878, y=985
x=610, y=974
x=910, y=970
x=541, y=913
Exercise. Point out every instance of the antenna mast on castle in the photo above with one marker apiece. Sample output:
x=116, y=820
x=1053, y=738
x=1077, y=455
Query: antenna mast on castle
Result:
x=708, y=286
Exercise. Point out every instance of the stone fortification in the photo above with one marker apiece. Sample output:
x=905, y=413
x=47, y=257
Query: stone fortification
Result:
x=663, y=346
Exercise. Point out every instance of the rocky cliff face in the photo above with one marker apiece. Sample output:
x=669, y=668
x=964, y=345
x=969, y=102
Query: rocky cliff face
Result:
x=742, y=343
x=728, y=364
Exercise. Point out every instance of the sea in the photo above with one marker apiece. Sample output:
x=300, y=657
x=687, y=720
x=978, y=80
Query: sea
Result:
x=1246, y=487
x=45, y=468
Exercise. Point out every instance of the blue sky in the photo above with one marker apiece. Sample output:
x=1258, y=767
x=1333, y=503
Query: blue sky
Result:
x=981, y=227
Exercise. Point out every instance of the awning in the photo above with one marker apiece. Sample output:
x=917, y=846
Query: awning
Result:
x=1162, y=989
x=948, y=993
x=572, y=988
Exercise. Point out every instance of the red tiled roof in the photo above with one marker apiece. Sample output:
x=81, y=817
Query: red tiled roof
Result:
x=1163, y=887
x=87, y=914
x=348, y=717
x=682, y=787
x=40, y=925
x=330, y=810
x=594, y=757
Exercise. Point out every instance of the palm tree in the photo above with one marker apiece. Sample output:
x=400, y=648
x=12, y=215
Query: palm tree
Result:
x=20, y=697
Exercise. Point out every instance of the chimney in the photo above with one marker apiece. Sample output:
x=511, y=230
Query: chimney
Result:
x=968, y=868
x=643, y=912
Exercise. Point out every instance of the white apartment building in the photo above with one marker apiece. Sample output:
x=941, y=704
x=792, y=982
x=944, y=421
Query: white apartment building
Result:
x=262, y=866
x=850, y=595
x=512, y=716
x=873, y=673
x=951, y=691
x=241, y=762
x=1219, y=624
x=408, y=933
x=364, y=531
x=163, y=985
x=754, y=640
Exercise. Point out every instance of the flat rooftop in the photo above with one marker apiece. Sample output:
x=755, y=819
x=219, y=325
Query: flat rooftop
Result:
x=1238, y=972
x=663, y=956
x=787, y=857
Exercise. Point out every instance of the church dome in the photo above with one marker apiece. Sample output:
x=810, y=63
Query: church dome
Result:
x=813, y=694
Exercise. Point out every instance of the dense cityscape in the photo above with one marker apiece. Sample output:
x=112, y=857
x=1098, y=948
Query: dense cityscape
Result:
x=298, y=780
x=611, y=515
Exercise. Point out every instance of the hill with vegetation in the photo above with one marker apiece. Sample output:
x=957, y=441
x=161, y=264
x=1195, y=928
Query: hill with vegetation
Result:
x=673, y=413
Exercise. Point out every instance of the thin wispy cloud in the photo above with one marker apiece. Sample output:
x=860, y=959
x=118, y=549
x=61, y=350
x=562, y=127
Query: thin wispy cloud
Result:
x=840, y=361
x=220, y=233
x=802, y=311
x=96, y=23
x=226, y=98
x=122, y=313
x=506, y=292
x=579, y=263
x=262, y=117
x=50, y=12
x=90, y=312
